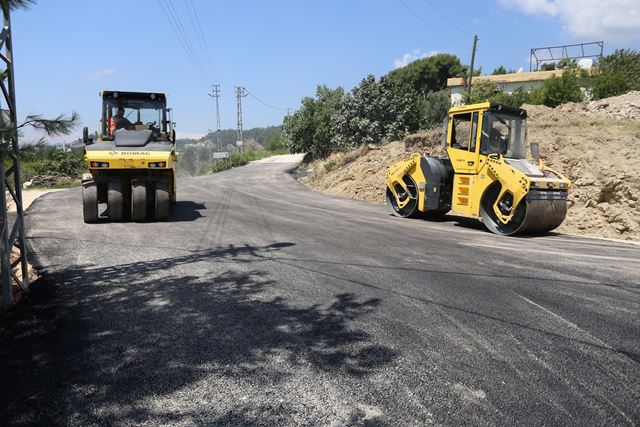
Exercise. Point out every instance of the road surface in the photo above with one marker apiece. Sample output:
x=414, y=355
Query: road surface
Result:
x=262, y=302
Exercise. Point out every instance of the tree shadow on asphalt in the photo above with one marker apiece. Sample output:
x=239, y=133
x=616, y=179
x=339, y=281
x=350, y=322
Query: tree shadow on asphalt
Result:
x=90, y=340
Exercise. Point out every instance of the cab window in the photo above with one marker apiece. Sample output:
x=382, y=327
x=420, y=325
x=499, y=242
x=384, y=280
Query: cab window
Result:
x=461, y=131
x=474, y=132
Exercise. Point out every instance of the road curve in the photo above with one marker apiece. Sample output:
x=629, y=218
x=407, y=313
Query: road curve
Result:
x=262, y=302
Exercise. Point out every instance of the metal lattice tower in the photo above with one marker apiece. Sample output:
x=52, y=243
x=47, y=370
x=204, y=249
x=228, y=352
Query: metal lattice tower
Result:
x=241, y=92
x=12, y=236
x=215, y=93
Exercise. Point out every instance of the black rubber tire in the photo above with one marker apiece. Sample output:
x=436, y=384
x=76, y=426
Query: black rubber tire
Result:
x=90, y=201
x=138, y=200
x=163, y=201
x=115, y=202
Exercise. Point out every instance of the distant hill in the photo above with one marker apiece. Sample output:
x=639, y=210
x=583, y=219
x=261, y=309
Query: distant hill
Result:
x=228, y=137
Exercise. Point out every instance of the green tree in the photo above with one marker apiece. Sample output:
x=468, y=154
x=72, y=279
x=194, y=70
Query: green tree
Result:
x=274, y=142
x=617, y=73
x=429, y=74
x=308, y=130
x=610, y=82
x=435, y=107
x=566, y=88
x=16, y=4
x=374, y=112
x=481, y=91
x=501, y=69
x=626, y=62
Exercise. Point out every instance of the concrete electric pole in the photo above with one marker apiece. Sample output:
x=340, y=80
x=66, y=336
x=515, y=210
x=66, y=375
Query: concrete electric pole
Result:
x=241, y=92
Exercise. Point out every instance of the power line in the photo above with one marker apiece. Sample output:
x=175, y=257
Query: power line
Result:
x=186, y=36
x=203, y=41
x=446, y=18
x=182, y=42
x=266, y=103
x=434, y=29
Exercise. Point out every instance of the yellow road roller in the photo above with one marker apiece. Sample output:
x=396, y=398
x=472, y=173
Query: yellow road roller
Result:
x=488, y=173
x=132, y=162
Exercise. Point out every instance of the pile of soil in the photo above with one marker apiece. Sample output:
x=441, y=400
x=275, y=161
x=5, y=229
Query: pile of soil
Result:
x=596, y=144
x=359, y=174
x=428, y=142
x=623, y=107
x=601, y=156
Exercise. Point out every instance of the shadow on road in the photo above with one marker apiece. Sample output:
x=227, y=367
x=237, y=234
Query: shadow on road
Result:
x=94, y=345
x=186, y=210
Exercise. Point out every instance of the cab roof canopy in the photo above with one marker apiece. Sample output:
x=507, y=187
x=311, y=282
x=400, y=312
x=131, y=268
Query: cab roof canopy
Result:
x=118, y=94
x=491, y=106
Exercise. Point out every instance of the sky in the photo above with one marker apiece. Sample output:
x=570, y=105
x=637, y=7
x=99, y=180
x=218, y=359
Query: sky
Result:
x=67, y=51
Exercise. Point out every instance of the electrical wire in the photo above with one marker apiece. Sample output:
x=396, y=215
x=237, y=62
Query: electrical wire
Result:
x=446, y=18
x=434, y=29
x=266, y=103
x=187, y=38
x=203, y=41
x=178, y=35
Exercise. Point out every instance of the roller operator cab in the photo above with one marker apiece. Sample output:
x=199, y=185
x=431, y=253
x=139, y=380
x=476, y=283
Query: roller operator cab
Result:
x=132, y=162
x=487, y=174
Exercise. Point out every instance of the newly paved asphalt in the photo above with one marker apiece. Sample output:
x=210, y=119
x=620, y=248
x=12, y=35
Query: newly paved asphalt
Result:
x=263, y=303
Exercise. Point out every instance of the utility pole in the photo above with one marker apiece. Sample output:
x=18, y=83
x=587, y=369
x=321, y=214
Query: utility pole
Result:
x=473, y=59
x=241, y=92
x=215, y=93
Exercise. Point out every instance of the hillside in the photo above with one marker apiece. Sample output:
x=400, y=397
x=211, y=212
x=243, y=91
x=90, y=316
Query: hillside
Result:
x=596, y=144
x=228, y=137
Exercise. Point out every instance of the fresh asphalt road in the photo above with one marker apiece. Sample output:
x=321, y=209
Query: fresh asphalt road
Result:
x=261, y=302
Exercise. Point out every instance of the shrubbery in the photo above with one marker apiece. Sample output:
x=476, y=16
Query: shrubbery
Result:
x=42, y=159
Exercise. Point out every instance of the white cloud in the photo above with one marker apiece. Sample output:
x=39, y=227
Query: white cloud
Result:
x=98, y=75
x=608, y=20
x=412, y=56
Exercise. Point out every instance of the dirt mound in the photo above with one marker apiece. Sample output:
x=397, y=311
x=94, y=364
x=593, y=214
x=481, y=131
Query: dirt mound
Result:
x=623, y=107
x=596, y=144
x=359, y=174
x=601, y=156
x=428, y=142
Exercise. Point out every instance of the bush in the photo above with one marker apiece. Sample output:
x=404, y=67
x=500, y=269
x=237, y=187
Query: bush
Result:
x=617, y=73
x=481, y=92
x=435, y=108
x=566, y=88
x=627, y=63
x=610, y=83
x=59, y=163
